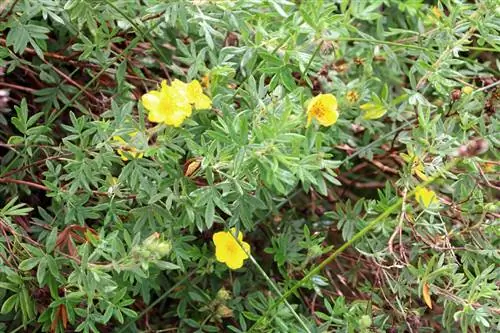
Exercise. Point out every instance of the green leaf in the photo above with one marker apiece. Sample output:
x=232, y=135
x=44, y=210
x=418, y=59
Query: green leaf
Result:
x=9, y=304
x=28, y=264
x=209, y=214
x=42, y=271
x=50, y=242
x=166, y=265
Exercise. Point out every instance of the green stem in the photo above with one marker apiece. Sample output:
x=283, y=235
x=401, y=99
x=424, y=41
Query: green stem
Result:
x=276, y=289
x=377, y=41
x=408, y=46
x=140, y=31
x=311, y=59
x=379, y=219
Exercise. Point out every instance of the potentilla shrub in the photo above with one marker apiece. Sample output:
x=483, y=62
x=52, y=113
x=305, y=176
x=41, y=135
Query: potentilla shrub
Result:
x=249, y=166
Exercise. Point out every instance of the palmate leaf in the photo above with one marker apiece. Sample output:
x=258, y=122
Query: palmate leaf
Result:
x=21, y=34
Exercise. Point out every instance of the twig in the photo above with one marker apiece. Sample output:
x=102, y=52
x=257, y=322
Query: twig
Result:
x=486, y=179
x=16, y=87
x=73, y=82
x=359, y=185
x=397, y=231
x=45, y=188
x=384, y=167
x=10, y=173
x=24, y=182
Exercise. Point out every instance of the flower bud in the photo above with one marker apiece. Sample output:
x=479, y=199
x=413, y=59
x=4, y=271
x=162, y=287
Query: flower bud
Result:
x=473, y=148
x=365, y=321
x=223, y=294
x=456, y=94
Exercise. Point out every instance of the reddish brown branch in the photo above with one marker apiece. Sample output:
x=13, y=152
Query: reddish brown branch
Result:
x=16, y=87
x=45, y=188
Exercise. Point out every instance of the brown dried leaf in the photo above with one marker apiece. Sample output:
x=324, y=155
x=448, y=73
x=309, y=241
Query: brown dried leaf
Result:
x=192, y=167
x=426, y=293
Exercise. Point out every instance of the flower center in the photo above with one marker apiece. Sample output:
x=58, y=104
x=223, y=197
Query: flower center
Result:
x=318, y=110
x=232, y=246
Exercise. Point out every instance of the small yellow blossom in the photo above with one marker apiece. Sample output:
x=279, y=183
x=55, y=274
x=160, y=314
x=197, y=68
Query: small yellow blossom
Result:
x=372, y=111
x=426, y=197
x=352, y=96
x=172, y=104
x=324, y=109
x=467, y=90
x=228, y=250
x=124, y=146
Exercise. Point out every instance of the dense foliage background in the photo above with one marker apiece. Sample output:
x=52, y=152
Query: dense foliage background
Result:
x=339, y=243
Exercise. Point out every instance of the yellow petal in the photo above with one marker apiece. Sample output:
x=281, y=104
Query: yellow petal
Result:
x=164, y=87
x=426, y=197
x=197, y=97
x=203, y=102
x=157, y=117
x=239, y=236
x=220, y=239
x=179, y=85
x=234, y=263
x=151, y=101
x=329, y=118
x=177, y=117
x=246, y=247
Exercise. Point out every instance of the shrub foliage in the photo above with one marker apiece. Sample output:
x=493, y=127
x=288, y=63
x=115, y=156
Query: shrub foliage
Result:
x=351, y=144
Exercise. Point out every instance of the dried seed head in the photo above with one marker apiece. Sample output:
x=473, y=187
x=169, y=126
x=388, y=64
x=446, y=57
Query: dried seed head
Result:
x=231, y=39
x=473, y=148
x=324, y=70
x=341, y=66
x=327, y=47
x=455, y=94
x=358, y=61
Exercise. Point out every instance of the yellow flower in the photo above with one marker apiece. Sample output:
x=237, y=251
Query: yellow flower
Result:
x=426, y=197
x=373, y=111
x=352, y=96
x=228, y=250
x=124, y=146
x=324, y=109
x=467, y=90
x=172, y=104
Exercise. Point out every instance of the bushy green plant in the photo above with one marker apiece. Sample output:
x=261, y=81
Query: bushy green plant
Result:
x=383, y=220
